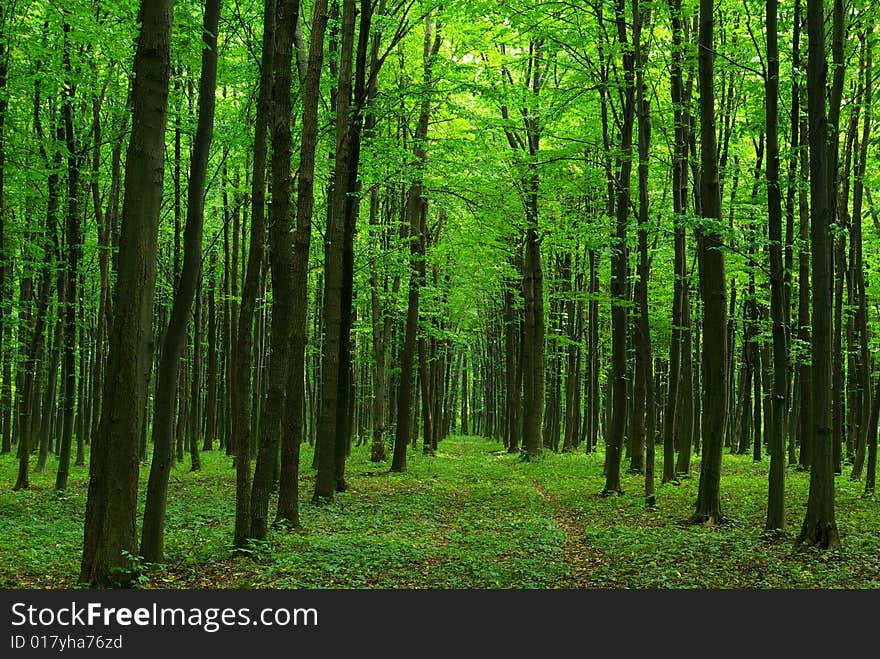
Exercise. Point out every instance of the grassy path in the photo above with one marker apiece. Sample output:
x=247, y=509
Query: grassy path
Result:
x=471, y=517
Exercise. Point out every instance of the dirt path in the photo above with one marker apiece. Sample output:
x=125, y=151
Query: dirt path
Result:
x=582, y=558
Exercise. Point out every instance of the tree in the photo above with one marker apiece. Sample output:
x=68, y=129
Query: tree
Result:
x=110, y=534
x=281, y=260
x=240, y=385
x=644, y=356
x=416, y=207
x=619, y=265
x=293, y=423
x=820, y=528
x=713, y=285
x=152, y=538
x=332, y=412
x=776, y=489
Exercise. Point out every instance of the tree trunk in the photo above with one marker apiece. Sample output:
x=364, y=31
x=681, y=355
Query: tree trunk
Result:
x=333, y=403
x=863, y=357
x=195, y=391
x=619, y=301
x=110, y=536
x=74, y=246
x=211, y=396
x=775, y=521
x=713, y=285
x=293, y=423
x=820, y=528
x=281, y=258
x=415, y=209
x=153, y=532
x=240, y=384
x=5, y=293
x=644, y=356
x=464, y=395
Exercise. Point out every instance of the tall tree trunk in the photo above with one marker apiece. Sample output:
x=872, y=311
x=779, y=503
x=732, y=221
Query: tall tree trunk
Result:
x=644, y=356
x=281, y=258
x=775, y=521
x=619, y=301
x=819, y=527
x=240, y=384
x=110, y=536
x=211, y=396
x=74, y=246
x=805, y=370
x=415, y=209
x=679, y=207
x=5, y=296
x=713, y=286
x=153, y=532
x=293, y=423
x=333, y=409
x=50, y=257
x=863, y=357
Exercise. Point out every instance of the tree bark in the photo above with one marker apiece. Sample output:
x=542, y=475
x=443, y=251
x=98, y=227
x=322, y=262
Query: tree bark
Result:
x=415, y=208
x=281, y=260
x=240, y=383
x=293, y=423
x=619, y=301
x=74, y=247
x=110, y=534
x=153, y=532
x=644, y=356
x=713, y=282
x=820, y=528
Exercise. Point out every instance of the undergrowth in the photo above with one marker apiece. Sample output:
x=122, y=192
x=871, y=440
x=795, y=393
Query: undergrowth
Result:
x=470, y=517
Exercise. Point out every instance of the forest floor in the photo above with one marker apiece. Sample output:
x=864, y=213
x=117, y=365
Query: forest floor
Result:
x=470, y=517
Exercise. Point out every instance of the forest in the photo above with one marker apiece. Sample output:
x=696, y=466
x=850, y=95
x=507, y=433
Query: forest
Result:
x=420, y=294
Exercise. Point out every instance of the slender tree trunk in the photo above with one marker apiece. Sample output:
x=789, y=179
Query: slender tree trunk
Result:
x=644, y=356
x=211, y=396
x=713, y=285
x=74, y=247
x=195, y=391
x=415, y=209
x=281, y=257
x=153, y=532
x=619, y=302
x=6, y=394
x=34, y=352
x=293, y=423
x=863, y=357
x=805, y=371
x=240, y=384
x=50, y=249
x=512, y=321
x=464, y=395
x=686, y=408
x=593, y=356
x=819, y=527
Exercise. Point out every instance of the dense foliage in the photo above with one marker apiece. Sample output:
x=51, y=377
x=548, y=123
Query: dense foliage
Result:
x=611, y=227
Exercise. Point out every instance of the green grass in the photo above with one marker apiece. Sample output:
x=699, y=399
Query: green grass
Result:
x=470, y=517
